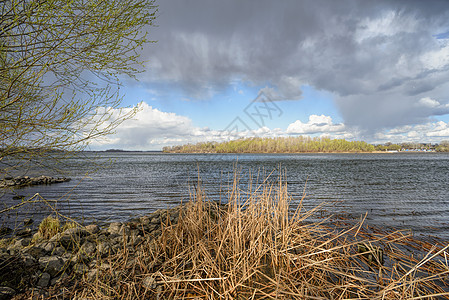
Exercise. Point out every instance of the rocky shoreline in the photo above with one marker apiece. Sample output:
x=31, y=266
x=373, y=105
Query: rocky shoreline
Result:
x=30, y=264
x=164, y=255
x=21, y=181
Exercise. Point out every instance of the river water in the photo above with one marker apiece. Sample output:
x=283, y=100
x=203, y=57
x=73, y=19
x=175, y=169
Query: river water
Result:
x=398, y=190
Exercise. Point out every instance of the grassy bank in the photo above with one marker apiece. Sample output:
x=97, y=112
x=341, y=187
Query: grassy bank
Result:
x=256, y=247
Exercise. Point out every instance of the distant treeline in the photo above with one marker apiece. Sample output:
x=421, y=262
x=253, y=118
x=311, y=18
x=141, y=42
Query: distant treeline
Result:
x=301, y=144
x=442, y=147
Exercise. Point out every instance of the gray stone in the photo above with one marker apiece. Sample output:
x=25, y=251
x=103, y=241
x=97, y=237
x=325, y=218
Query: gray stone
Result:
x=28, y=260
x=70, y=238
x=92, y=274
x=102, y=238
x=125, y=230
x=48, y=246
x=76, y=231
x=88, y=248
x=22, y=242
x=56, y=238
x=114, y=228
x=92, y=228
x=68, y=241
x=104, y=248
x=79, y=258
x=6, y=292
x=67, y=256
x=145, y=220
x=52, y=264
x=59, y=251
x=35, y=251
x=37, y=237
x=59, y=279
x=44, y=280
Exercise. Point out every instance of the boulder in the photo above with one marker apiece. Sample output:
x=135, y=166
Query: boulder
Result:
x=48, y=246
x=71, y=238
x=35, y=251
x=44, y=280
x=52, y=264
x=114, y=228
x=59, y=279
x=145, y=220
x=28, y=260
x=88, y=248
x=6, y=293
x=22, y=242
x=104, y=248
x=76, y=231
x=92, y=228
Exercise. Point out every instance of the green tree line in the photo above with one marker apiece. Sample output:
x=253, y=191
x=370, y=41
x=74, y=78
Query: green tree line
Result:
x=442, y=147
x=301, y=144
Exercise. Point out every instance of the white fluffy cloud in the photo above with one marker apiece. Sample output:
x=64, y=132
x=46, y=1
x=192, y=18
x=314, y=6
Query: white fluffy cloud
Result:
x=428, y=102
x=316, y=124
x=147, y=130
x=431, y=132
x=152, y=129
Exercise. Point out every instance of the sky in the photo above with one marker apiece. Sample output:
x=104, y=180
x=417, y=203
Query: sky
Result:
x=376, y=71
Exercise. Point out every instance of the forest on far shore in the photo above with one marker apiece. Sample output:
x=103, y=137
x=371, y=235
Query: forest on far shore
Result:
x=301, y=144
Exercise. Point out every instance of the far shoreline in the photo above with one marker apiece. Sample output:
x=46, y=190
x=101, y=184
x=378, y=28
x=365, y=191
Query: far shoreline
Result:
x=347, y=152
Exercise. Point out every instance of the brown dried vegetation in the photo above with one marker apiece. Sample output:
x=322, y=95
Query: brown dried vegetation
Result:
x=255, y=247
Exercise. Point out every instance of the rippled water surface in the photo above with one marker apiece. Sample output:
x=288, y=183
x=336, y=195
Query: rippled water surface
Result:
x=396, y=190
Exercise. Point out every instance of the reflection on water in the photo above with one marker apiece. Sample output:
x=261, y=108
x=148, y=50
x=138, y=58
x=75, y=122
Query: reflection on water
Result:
x=397, y=190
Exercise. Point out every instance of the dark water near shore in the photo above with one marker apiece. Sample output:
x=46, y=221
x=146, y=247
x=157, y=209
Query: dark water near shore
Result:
x=403, y=191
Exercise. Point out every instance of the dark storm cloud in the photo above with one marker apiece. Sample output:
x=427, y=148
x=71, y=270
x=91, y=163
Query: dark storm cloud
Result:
x=378, y=58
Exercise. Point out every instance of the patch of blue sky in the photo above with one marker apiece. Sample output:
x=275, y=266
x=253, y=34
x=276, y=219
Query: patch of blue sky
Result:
x=444, y=118
x=226, y=105
x=313, y=102
x=441, y=36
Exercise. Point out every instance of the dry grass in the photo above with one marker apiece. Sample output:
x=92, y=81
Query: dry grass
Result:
x=49, y=227
x=255, y=247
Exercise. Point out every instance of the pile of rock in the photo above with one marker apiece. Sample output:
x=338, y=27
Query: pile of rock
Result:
x=21, y=181
x=30, y=263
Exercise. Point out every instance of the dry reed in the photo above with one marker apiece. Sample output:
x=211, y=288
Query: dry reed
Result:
x=255, y=247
